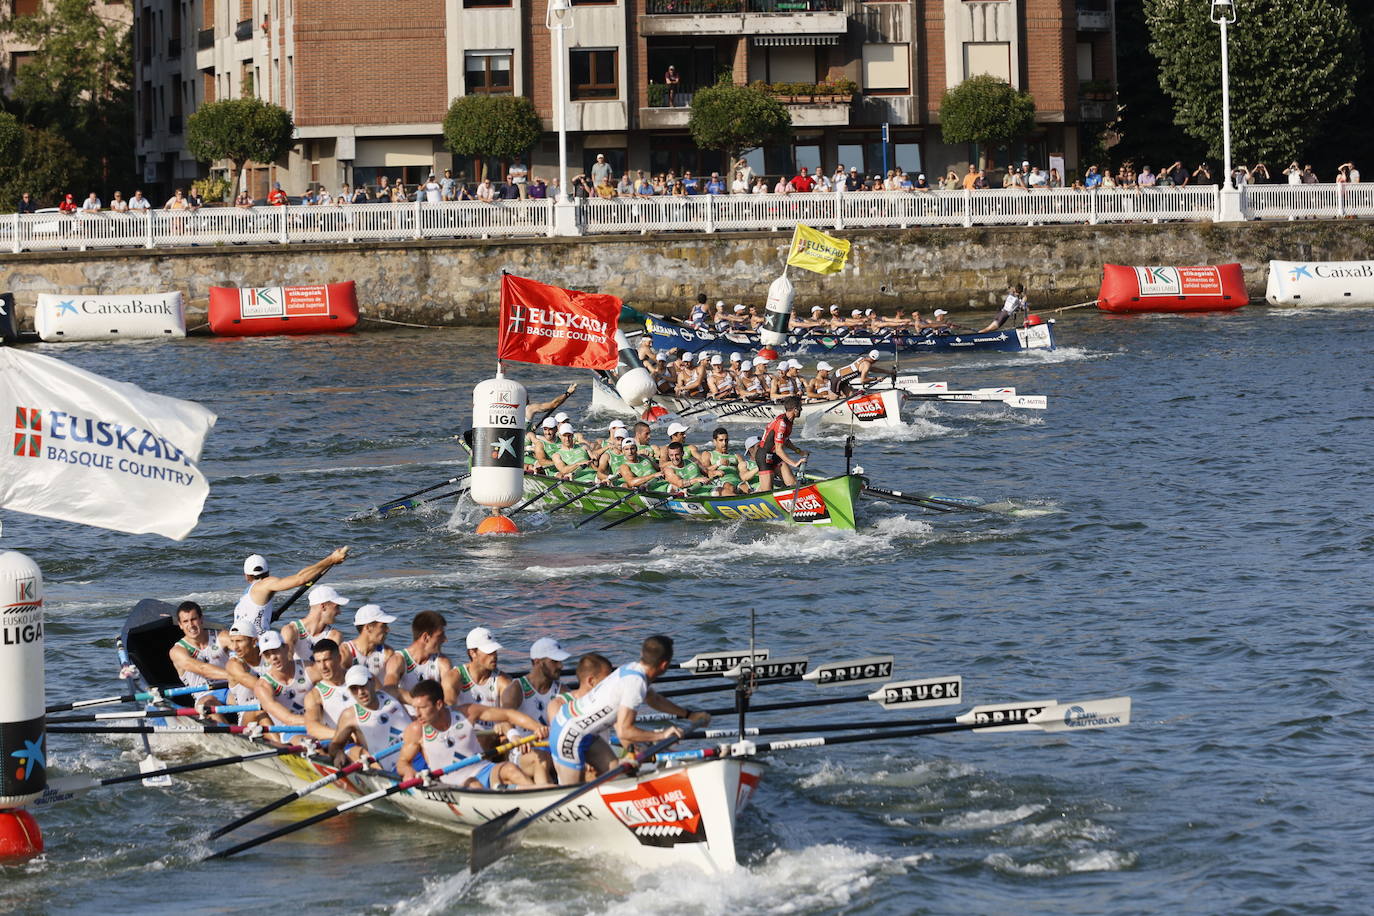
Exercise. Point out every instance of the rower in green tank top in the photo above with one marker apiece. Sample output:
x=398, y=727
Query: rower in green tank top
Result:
x=681, y=474
x=638, y=469
x=720, y=459
x=574, y=460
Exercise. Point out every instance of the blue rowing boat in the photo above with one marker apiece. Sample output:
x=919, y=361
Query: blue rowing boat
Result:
x=822, y=343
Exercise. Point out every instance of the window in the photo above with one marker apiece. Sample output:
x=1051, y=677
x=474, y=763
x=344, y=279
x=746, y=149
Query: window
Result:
x=479, y=4
x=594, y=75
x=784, y=64
x=487, y=73
x=25, y=7
x=990, y=57
x=1085, y=61
x=887, y=68
x=19, y=60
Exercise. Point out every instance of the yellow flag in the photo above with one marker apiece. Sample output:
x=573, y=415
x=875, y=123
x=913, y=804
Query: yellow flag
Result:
x=813, y=250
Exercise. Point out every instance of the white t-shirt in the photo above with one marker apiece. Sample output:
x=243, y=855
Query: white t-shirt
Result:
x=140, y=203
x=433, y=191
x=1013, y=303
x=90, y=205
x=624, y=688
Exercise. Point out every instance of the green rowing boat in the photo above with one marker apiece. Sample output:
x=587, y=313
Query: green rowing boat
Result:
x=829, y=501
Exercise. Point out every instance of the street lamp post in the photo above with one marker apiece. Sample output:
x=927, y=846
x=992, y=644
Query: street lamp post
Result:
x=1224, y=14
x=558, y=20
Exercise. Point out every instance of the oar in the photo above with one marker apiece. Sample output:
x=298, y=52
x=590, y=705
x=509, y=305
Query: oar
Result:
x=410, y=504
x=493, y=840
x=135, y=697
x=1109, y=713
x=368, y=799
x=634, y=491
x=211, y=729
x=879, y=493
x=576, y=496
x=149, y=763
x=917, y=694
x=302, y=792
x=382, y=508
x=66, y=788
x=296, y=595
x=650, y=505
x=536, y=497
x=952, y=504
x=746, y=406
x=1006, y=716
x=178, y=712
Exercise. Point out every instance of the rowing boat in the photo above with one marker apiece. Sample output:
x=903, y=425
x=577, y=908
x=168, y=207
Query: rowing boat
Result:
x=869, y=409
x=829, y=501
x=663, y=817
x=820, y=343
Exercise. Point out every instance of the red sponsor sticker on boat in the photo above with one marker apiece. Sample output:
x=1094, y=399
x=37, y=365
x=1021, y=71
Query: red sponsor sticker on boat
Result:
x=868, y=407
x=659, y=812
x=804, y=505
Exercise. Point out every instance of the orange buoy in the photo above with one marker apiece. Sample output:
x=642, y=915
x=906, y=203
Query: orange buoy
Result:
x=769, y=354
x=497, y=524
x=20, y=837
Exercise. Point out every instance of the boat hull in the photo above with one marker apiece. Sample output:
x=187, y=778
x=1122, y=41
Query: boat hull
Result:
x=867, y=410
x=666, y=335
x=829, y=502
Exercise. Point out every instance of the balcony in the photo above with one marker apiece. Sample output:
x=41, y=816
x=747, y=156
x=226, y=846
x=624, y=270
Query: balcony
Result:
x=810, y=105
x=244, y=30
x=1094, y=110
x=1092, y=19
x=744, y=17
x=173, y=48
x=205, y=39
x=659, y=115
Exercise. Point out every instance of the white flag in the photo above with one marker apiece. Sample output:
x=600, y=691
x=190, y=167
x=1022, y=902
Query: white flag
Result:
x=91, y=450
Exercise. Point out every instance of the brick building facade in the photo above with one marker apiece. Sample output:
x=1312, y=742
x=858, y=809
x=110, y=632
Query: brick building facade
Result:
x=369, y=81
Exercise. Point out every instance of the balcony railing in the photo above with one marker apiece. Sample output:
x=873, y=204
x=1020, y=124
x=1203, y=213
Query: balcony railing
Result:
x=244, y=30
x=707, y=7
x=205, y=39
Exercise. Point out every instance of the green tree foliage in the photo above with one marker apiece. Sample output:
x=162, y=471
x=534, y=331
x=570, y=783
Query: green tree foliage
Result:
x=987, y=111
x=503, y=126
x=46, y=166
x=78, y=84
x=735, y=119
x=1292, y=66
x=239, y=130
x=1149, y=135
x=11, y=138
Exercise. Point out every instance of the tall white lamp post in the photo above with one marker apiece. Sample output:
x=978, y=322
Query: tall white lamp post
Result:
x=558, y=20
x=1224, y=14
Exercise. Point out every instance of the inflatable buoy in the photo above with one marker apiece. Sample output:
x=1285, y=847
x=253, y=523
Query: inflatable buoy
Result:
x=633, y=382
x=23, y=745
x=778, y=313
x=1033, y=320
x=1320, y=283
x=76, y=317
x=9, y=321
x=255, y=311
x=497, y=524
x=20, y=837
x=498, y=442
x=1172, y=289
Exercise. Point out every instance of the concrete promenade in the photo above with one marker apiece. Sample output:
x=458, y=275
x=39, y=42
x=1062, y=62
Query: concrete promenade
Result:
x=454, y=282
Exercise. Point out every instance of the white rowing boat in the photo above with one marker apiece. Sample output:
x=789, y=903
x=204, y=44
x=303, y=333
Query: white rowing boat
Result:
x=868, y=409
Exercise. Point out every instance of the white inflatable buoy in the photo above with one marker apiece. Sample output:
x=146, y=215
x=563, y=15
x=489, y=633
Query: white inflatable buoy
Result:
x=778, y=312
x=498, y=442
x=23, y=748
x=633, y=382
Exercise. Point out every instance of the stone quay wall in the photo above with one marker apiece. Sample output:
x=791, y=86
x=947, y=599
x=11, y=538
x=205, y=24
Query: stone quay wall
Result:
x=449, y=283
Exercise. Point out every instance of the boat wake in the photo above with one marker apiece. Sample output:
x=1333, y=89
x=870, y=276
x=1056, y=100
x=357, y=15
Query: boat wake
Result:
x=1037, y=357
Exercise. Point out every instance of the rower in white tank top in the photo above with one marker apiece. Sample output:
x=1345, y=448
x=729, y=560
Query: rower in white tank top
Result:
x=382, y=727
x=369, y=648
x=457, y=742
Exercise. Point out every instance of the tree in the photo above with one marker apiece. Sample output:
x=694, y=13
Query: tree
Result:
x=78, y=84
x=46, y=166
x=735, y=119
x=503, y=126
x=1149, y=135
x=239, y=130
x=987, y=111
x=1292, y=65
x=11, y=138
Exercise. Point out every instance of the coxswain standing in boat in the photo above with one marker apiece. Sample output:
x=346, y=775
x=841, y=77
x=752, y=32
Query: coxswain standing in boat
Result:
x=855, y=374
x=531, y=695
x=301, y=635
x=445, y=734
x=200, y=655
x=822, y=387
x=369, y=649
x=576, y=733
x=1015, y=302
x=421, y=659
x=373, y=720
x=262, y=586
x=282, y=684
x=328, y=697
x=776, y=440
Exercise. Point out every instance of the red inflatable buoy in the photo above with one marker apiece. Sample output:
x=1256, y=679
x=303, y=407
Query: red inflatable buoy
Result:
x=20, y=837
x=254, y=311
x=1033, y=320
x=1172, y=289
x=769, y=353
x=497, y=524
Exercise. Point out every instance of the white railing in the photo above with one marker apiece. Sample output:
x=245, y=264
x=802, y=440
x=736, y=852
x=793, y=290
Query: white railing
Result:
x=699, y=213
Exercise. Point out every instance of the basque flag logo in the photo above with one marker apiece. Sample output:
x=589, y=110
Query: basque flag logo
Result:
x=28, y=424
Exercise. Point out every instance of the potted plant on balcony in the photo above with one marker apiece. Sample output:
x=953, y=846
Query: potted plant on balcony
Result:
x=839, y=90
x=658, y=95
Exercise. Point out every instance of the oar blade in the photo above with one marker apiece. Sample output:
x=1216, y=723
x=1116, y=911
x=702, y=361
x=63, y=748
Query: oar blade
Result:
x=490, y=843
x=1004, y=717
x=151, y=764
x=1071, y=717
x=921, y=693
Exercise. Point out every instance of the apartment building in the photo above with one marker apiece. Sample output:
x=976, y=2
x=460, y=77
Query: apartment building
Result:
x=369, y=81
x=14, y=55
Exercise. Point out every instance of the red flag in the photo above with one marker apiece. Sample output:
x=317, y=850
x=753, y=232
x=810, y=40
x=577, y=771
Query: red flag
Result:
x=556, y=327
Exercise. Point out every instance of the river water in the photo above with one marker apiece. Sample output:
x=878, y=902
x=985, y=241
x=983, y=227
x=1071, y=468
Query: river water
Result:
x=1192, y=527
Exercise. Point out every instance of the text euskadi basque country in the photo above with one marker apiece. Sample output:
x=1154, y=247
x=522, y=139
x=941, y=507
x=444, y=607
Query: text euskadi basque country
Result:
x=102, y=434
